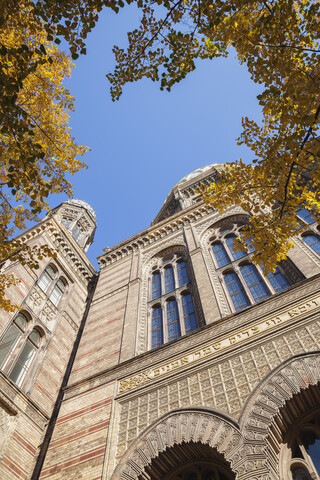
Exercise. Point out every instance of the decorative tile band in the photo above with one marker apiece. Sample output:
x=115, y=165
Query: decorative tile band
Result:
x=214, y=347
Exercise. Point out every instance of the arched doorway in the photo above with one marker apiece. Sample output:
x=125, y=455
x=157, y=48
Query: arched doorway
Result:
x=189, y=461
x=192, y=442
x=300, y=449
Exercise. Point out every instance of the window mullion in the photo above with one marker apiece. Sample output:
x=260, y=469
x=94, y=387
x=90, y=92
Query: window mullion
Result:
x=181, y=316
x=164, y=321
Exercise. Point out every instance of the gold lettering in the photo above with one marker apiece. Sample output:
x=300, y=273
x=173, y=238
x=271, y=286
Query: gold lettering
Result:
x=293, y=313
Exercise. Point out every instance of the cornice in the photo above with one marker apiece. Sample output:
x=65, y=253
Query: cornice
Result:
x=66, y=246
x=154, y=233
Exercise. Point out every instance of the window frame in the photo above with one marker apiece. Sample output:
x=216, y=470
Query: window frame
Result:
x=11, y=360
x=171, y=261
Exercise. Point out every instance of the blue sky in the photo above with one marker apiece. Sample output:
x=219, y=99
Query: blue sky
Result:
x=142, y=145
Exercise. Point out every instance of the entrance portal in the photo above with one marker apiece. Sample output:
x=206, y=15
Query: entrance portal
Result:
x=188, y=461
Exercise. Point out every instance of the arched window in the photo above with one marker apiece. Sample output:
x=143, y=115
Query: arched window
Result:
x=220, y=254
x=171, y=306
x=157, y=327
x=25, y=358
x=156, y=285
x=313, y=242
x=18, y=349
x=231, y=242
x=236, y=291
x=190, y=321
x=11, y=339
x=173, y=323
x=254, y=282
x=57, y=292
x=47, y=277
x=168, y=280
x=244, y=282
x=182, y=273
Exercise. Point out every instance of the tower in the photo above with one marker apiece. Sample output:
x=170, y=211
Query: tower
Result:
x=37, y=340
x=192, y=364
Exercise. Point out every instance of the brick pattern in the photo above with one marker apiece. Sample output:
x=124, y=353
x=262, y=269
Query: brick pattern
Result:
x=82, y=429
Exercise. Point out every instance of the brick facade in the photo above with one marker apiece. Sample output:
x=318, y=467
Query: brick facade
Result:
x=129, y=411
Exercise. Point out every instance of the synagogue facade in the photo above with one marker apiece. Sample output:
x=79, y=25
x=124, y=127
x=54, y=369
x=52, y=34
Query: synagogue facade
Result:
x=179, y=360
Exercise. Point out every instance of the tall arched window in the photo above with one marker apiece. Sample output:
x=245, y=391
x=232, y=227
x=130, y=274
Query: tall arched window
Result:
x=18, y=348
x=190, y=321
x=57, y=292
x=25, y=358
x=47, y=278
x=236, y=291
x=254, y=282
x=312, y=241
x=231, y=243
x=171, y=306
x=220, y=254
x=11, y=339
x=168, y=279
x=182, y=273
x=157, y=327
x=156, y=285
x=173, y=323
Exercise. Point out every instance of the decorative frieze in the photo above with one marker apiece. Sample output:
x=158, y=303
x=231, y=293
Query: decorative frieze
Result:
x=212, y=348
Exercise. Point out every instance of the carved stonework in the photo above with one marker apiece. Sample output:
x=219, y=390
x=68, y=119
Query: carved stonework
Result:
x=48, y=315
x=191, y=425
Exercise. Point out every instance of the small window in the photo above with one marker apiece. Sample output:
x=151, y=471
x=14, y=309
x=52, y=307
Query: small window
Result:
x=220, y=254
x=46, y=278
x=57, y=292
x=77, y=232
x=168, y=280
x=236, y=291
x=67, y=222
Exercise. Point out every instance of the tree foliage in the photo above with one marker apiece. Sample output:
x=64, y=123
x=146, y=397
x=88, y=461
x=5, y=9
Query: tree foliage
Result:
x=278, y=42
x=36, y=147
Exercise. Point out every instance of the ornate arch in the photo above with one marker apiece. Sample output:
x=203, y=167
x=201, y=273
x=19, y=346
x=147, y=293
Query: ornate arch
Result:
x=263, y=413
x=197, y=425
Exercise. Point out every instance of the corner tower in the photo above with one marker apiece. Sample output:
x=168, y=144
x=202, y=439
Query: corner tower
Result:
x=79, y=218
